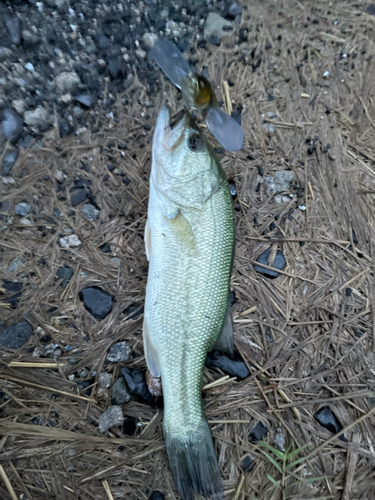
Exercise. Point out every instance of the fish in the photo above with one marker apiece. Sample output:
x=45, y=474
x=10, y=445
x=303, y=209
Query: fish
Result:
x=197, y=93
x=189, y=240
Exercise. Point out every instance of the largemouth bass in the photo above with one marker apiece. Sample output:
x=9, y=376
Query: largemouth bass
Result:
x=189, y=241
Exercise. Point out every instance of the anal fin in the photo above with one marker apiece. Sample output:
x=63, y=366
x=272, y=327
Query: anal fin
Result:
x=150, y=353
x=225, y=341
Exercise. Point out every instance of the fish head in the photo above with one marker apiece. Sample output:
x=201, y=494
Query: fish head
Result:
x=184, y=167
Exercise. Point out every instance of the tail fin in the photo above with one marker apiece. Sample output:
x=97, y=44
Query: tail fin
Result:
x=193, y=463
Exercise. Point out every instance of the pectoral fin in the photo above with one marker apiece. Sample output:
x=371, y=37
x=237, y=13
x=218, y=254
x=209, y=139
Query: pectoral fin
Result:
x=150, y=353
x=225, y=342
x=148, y=240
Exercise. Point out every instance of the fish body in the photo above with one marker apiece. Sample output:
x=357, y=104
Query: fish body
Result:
x=189, y=244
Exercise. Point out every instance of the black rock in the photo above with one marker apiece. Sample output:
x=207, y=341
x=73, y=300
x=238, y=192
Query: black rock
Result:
x=236, y=115
x=12, y=124
x=13, y=25
x=86, y=100
x=279, y=263
x=258, y=433
x=247, y=464
x=348, y=291
x=138, y=311
x=234, y=367
x=232, y=299
x=15, y=336
x=97, y=301
x=215, y=40
x=114, y=66
x=78, y=196
x=137, y=384
x=13, y=286
x=65, y=274
x=156, y=495
x=327, y=419
x=64, y=129
x=80, y=183
x=260, y=169
x=371, y=10
x=129, y=426
x=105, y=248
x=9, y=160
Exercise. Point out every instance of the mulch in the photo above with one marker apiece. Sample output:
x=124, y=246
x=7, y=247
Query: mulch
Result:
x=308, y=336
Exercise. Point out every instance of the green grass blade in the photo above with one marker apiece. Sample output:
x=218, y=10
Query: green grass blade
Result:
x=294, y=452
x=278, y=453
x=296, y=462
x=273, y=481
x=310, y=480
x=273, y=462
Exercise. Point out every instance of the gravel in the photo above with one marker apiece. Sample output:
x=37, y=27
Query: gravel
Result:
x=15, y=336
x=119, y=352
x=65, y=273
x=258, y=433
x=279, y=183
x=12, y=124
x=234, y=367
x=9, y=160
x=18, y=261
x=97, y=301
x=278, y=263
x=217, y=26
x=105, y=380
x=111, y=417
x=120, y=392
x=22, y=208
x=90, y=212
x=70, y=241
x=137, y=385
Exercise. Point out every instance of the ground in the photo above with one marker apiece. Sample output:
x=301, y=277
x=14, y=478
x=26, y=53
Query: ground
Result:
x=307, y=336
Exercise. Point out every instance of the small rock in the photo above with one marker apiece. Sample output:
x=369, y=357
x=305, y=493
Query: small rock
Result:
x=279, y=440
x=279, y=263
x=234, y=367
x=67, y=82
x=5, y=53
x=137, y=384
x=111, y=417
x=15, y=336
x=371, y=10
x=268, y=127
x=9, y=160
x=36, y=117
x=12, y=124
x=141, y=53
x=60, y=176
x=215, y=40
x=114, y=66
x=78, y=196
x=258, y=433
x=70, y=241
x=120, y=392
x=154, y=384
x=149, y=39
x=279, y=183
x=65, y=274
x=86, y=100
x=8, y=180
x=13, y=25
x=233, y=189
x=19, y=105
x=90, y=212
x=232, y=10
x=18, y=261
x=47, y=351
x=29, y=67
x=97, y=301
x=119, y=352
x=218, y=26
x=136, y=310
x=247, y=465
x=105, y=380
x=327, y=419
x=156, y=495
x=81, y=130
x=30, y=38
x=25, y=222
x=105, y=248
x=22, y=208
x=116, y=261
x=13, y=286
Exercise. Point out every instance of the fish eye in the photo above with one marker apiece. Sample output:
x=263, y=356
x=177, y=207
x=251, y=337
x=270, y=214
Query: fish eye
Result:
x=194, y=142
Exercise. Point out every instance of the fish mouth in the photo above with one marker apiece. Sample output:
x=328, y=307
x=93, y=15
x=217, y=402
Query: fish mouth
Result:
x=170, y=132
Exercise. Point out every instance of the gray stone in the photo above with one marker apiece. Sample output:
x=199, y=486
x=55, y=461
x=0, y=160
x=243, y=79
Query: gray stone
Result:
x=278, y=183
x=9, y=160
x=70, y=241
x=111, y=417
x=116, y=261
x=90, y=212
x=86, y=100
x=13, y=23
x=65, y=273
x=279, y=440
x=12, y=124
x=15, y=336
x=29, y=66
x=5, y=53
x=105, y=380
x=18, y=261
x=149, y=39
x=19, y=105
x=119, y=352
x=67, y=82
x=217, y=26
x=23, y=208
x=120, y=392
x=36, y=116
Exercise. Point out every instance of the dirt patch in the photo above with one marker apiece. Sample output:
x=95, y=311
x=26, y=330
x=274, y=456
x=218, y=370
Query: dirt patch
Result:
x=307, y=336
